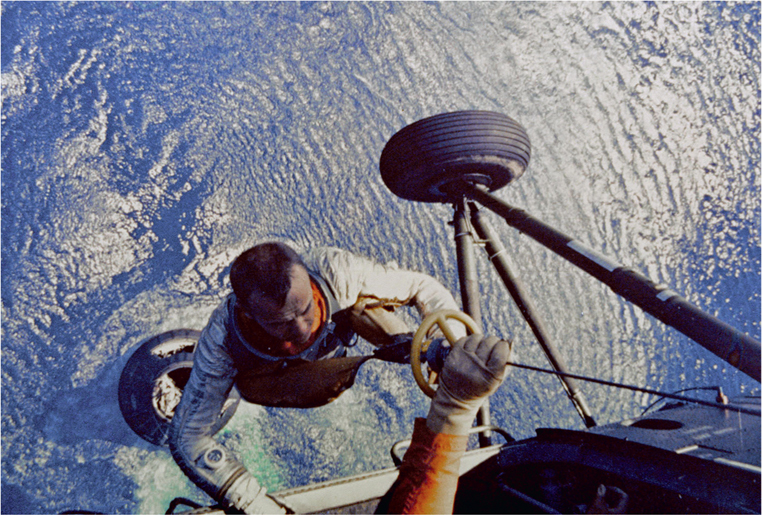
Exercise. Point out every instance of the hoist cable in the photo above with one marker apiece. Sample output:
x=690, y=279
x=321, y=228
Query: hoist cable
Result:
x=639, y=389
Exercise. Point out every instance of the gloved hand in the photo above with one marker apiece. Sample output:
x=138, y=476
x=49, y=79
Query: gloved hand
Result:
x=246, y=495
x=474, y=369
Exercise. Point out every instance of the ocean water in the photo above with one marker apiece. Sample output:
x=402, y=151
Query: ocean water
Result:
x=146, y=144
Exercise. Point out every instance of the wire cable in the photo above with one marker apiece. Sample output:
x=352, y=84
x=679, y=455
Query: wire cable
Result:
x=718, y=389
x=639, y=389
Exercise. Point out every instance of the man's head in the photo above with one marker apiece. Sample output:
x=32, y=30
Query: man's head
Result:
x=272, y=288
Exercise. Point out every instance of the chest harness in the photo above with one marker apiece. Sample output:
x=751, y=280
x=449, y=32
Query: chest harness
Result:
x=312, y=378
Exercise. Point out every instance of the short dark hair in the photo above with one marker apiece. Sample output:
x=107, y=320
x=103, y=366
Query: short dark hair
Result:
x=264, y=269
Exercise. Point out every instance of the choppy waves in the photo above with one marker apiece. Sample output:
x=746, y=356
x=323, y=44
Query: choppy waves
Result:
x=145, y=145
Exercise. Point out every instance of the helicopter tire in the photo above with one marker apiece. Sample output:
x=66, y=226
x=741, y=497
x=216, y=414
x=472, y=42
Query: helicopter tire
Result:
x=426, y=160
x=165, y=360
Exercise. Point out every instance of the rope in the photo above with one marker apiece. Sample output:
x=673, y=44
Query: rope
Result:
x=639, y=389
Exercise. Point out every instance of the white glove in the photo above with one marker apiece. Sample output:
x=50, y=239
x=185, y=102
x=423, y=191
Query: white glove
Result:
x=246, y=495
x=474, y=369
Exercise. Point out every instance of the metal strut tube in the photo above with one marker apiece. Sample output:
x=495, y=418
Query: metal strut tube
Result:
x=736, y=348
x=469, y=292
x=499, y=258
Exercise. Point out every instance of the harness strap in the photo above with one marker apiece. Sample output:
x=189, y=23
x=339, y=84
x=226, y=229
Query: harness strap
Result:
x=321, y=373
x=306, y=385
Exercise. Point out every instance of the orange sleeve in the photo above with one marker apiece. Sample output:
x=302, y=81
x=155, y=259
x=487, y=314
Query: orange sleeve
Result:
x=429, y=472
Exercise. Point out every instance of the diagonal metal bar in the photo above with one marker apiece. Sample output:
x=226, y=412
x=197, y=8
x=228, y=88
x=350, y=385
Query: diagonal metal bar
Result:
x=736, y=348
x=500, y=261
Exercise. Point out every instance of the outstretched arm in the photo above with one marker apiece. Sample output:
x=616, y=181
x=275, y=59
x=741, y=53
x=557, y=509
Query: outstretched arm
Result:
x=353, y=277
x=428, y=479
x=207, y=463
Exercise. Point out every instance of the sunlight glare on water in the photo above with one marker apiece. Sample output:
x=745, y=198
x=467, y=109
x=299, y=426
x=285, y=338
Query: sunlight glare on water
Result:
x=145, y=145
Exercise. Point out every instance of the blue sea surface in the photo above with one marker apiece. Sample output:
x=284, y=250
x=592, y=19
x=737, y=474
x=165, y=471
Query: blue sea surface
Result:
x=146, y=144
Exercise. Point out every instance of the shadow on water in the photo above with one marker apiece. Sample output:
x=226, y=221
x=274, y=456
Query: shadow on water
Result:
x=144, y=142
x=90, y=413
x=14, y=499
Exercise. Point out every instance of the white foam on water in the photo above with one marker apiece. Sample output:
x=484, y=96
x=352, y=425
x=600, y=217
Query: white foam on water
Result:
x=146, y=145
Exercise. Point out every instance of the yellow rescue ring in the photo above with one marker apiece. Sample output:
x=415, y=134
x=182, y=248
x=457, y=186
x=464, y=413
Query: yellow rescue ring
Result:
x=421, y=344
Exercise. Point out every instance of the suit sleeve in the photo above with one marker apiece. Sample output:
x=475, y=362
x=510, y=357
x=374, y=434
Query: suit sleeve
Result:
x=210, y=465
x=429, y=472
x=353, y=277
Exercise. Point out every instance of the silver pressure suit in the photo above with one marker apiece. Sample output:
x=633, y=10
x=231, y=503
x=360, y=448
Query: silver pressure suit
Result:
x=348, y=278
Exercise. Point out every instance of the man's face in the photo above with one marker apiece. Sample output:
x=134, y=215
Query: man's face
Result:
x=291, y=322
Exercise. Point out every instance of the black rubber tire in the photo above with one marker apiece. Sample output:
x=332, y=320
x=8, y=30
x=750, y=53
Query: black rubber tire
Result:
x=145, y=366
x=426, y=160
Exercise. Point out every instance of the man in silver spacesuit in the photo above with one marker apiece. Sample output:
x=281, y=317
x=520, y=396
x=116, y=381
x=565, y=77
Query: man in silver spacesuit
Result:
x=280, y=338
